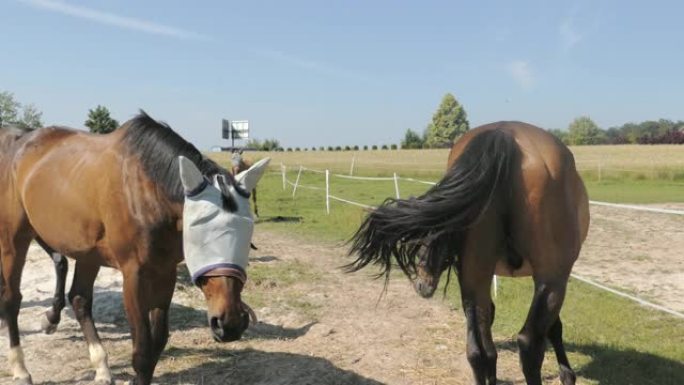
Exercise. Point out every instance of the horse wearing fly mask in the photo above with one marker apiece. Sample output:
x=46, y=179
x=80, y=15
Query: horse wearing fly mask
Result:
x=119, y=200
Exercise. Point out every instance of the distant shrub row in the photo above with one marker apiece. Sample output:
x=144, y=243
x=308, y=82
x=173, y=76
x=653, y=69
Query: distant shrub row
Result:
x=338, y=148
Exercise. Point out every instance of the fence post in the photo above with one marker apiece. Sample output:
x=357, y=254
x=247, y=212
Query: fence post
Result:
x=396, y=185
x=294, y=190
x=495, y=285
x=327, y=192
x=282, y=170
x=351, y=169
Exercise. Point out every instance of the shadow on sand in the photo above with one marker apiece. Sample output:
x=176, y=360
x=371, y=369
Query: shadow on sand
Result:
x=110, y=317
x=258, y=367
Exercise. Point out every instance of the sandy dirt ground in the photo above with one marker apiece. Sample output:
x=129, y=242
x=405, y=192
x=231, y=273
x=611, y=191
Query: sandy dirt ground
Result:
x=640, y=253
x=329, y=328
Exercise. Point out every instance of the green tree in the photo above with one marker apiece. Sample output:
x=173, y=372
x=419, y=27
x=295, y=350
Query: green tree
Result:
x=271, y=145
x=11, y=112
x=254, y=143
x=31, y=117
x=99, y=121
x=583, y=130
x=412, y=140
x=448, y=123
x=560, y=134
x=9, y=108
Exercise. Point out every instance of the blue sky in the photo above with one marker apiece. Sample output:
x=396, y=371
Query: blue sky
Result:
x=343, y=73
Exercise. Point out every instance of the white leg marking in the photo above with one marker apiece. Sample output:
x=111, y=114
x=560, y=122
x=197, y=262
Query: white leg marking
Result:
x=16, y=361
x=98, y=358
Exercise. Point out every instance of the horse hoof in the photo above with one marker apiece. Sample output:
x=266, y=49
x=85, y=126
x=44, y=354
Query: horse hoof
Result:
x=103, y=382
x=48, y=327
x=23, y=381
x=567, y=377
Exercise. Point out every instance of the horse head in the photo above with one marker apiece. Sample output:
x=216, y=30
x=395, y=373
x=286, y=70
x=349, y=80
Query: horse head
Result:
x=431, y=264
x=216, y=243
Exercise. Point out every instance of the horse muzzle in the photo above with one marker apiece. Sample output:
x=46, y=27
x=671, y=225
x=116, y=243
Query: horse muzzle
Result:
x=424, y=289
x=228, y=332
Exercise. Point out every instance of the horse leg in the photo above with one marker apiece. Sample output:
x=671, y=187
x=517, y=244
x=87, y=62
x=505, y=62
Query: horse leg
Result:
x=546, y=305
x=164, y=284
x=567, y=375
x=254, y=198
x=14, y=248
x=81, y=299
x=54, y=314
x=479, y=311
x=135, y=293
x=3, y=324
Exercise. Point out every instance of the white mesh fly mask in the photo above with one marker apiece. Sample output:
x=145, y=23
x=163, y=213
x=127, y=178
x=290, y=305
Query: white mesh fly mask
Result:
x=217, y=241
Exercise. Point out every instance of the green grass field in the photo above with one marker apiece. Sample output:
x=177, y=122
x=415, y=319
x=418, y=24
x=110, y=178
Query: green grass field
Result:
x=611, y=340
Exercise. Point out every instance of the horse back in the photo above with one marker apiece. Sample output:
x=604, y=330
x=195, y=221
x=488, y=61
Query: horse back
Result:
x=67, y=179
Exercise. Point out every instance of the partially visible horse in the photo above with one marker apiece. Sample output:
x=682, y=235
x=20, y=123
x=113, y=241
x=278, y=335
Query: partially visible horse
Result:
x=138, y=199
x=238, y=165
x=511, y=203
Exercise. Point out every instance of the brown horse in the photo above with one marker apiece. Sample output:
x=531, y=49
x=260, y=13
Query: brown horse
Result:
x=238, y=165
x=511, y=203
x=138, y=200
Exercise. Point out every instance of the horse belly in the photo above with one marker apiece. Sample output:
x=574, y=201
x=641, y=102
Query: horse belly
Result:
x=504, y=269
x=61, y=210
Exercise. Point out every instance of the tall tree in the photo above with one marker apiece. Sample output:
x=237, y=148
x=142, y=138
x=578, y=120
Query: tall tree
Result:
x=31, y=117
x=11, y=112
x=9, y=108
x=448, y=123
x=99, y=121
x=583, y=130
x=412, y=140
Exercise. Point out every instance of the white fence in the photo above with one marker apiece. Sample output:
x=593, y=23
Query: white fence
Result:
x=396, y=178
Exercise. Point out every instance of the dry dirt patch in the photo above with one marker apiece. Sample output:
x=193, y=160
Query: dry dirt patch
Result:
x=639, y=252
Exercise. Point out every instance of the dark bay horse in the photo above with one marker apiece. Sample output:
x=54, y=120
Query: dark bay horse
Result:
x=139, y=199
x=511, y=203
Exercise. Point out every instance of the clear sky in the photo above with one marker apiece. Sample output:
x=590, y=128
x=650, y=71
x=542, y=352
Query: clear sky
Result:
x=343, y=72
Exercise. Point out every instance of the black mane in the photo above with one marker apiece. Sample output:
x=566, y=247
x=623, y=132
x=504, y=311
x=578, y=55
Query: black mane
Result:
x=158, y=148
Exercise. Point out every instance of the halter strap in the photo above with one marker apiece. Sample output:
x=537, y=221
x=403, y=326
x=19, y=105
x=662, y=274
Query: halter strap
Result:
x=221, y=270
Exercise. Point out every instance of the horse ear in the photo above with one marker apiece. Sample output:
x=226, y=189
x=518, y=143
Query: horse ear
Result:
x=190, y=175
x=249, y=178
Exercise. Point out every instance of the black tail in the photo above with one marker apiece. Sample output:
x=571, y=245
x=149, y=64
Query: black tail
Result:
x=441, y=215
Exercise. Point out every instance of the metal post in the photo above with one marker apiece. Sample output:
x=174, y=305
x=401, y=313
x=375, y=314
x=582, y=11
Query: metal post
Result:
x=396, y=185
x=294, y=190
x=327, y=192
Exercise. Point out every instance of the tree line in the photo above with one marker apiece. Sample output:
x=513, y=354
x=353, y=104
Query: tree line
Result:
x=14, y=113
x=583, y=131
x=449, y=122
